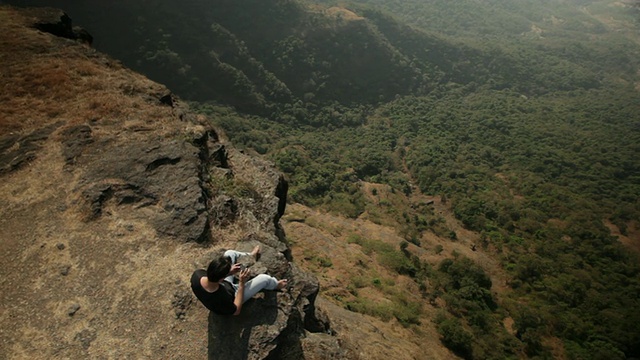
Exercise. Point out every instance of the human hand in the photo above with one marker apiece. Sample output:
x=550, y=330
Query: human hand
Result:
x=244, y=276
x=235, y=268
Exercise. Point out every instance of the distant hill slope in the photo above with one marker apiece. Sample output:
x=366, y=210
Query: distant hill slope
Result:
x=251, y=53
x=262, y=55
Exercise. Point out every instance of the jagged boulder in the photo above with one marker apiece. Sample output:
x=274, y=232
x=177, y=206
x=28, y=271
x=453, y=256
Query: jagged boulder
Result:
x=58, y=23
x=275, y=324
x=272, y=322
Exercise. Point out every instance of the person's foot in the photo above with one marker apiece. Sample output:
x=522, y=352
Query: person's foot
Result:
x=256, y=252
x=281, y=284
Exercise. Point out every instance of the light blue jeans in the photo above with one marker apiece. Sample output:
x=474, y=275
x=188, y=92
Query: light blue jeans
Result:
x=253, y=286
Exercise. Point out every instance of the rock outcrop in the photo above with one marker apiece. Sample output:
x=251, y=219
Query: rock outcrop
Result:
x=58, y=23
x=158, y=172
x=275, y=324
x=112, y=193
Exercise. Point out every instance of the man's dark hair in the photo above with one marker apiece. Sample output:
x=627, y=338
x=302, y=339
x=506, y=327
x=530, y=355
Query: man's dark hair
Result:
x=218, y=268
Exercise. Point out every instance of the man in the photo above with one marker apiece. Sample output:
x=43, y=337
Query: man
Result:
x=215, y=288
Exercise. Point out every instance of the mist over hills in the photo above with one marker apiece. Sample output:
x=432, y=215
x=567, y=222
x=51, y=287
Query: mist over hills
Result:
x=521, y=118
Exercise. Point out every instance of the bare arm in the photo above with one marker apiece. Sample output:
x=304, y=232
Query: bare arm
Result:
x=244, y=276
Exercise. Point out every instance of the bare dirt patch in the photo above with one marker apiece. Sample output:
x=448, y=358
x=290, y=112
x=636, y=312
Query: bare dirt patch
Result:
x=632, y=238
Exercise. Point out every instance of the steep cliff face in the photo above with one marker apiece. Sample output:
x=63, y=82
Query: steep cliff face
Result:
x=112, y=193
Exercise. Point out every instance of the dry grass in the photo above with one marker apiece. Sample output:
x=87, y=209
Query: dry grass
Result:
x=47, y=79
x=360, y=277
x=356, y=279
x=342, y=13
x=632, y=238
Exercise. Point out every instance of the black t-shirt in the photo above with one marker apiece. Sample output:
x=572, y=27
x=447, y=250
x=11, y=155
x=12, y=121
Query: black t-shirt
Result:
x=219, y=301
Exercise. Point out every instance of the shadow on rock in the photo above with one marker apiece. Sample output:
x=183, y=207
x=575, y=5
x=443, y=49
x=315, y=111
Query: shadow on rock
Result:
x=250, y=335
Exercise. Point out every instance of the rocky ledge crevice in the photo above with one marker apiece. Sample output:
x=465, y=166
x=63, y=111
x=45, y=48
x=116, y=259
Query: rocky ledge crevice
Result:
x=249, y=193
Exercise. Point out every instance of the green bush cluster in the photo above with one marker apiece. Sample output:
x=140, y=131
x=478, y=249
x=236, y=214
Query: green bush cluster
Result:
x=406, y=312
x=472, y=324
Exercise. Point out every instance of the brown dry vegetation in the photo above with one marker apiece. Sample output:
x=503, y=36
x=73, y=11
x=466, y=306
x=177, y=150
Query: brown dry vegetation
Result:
x=347, y=271
x=118, y=270
x=342, y=13
x=319, y=244
x=632, y=237
x=44, y=82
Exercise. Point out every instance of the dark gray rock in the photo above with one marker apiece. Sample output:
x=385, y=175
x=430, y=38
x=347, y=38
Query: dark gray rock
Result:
x=273, y=323
x=82, y=35
x=73, y=309
x=64, y=270
x=182, y=300
x=17, y=151
x=7, y=142
x=224, y=210
x=167, y=99
x=58, y=23
x=250, y=335
x=218, y=156
x=75, y=139
x=161, y=172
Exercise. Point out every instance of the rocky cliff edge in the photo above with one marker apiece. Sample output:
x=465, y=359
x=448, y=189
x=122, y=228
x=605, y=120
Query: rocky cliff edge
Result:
x=111, y=194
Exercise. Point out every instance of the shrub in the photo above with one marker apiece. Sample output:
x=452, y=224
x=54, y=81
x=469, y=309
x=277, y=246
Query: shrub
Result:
x=324, y=262
x=221, y=185
x=365, y=306
x=406, y=312
x=455, y=337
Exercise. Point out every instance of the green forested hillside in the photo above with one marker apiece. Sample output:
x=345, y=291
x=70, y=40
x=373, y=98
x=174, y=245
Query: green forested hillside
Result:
x=525, y=116
x=534, y=142
x=537, y=177
x=290, y=53
x=254, y=55
x=505, y=20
